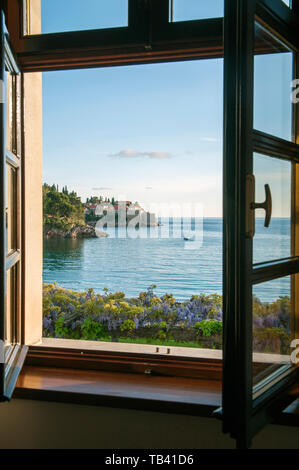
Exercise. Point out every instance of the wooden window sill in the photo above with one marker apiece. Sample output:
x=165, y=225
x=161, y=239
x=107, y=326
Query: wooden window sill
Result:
x=178, y=395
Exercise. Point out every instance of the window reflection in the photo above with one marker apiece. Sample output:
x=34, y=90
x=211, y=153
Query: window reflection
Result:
x=272, y=327
x=273, y=73
x=273, y=242
x=185, y=10
x=11, y=209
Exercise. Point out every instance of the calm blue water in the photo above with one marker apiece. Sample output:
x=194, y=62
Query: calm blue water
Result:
x=184, y=268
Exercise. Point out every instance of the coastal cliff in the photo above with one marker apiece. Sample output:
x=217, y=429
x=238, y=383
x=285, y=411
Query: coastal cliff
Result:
x=64, y=215
x=76, y=231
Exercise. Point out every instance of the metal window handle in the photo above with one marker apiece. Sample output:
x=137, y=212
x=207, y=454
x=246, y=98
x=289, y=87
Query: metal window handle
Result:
x=252, y=205
x=267, y=205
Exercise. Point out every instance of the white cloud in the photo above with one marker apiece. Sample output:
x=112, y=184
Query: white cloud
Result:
x=130, y=153
x=101, y=189
x=209, y=139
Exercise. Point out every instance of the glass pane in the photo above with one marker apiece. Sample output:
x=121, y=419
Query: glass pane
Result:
x=75, y=15
x=185, y=10
x=273, y=242
x=11, y=209
x=10, y=314
x=273, y=74
x=9, y=111
x=13, y=113
x=17, y=142
x=272, y=327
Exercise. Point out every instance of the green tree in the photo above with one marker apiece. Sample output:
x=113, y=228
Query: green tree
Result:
x=61, y=209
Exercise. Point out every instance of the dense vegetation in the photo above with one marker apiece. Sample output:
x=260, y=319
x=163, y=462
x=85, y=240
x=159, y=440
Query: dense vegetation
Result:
x=98, y=200
x=152, y=319
x=61, y=209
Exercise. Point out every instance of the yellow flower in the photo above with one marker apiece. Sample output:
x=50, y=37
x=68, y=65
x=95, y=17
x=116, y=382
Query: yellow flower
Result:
x=124, y=304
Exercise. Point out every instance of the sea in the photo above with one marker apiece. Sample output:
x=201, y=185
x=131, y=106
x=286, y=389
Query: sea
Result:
x=182, y=257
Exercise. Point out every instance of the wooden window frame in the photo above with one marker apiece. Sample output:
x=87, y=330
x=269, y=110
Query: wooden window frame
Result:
x=149, y=38
x=11, y=259
x=247, y=406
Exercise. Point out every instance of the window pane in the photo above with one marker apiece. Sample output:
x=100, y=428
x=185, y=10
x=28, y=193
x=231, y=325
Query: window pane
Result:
x=273, y=242
x=75, y=15
x=17, y=141
x=11, y=209
x=184, y=10
x=13, y=113
x=10, y=315
x=273, y=64
x=9, y=111
x=272, y=327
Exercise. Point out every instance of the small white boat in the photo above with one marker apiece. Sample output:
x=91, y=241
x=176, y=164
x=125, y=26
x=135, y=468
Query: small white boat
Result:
x=189, y=238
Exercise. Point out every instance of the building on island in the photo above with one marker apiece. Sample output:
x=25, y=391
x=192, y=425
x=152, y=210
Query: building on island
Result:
x=120, y=213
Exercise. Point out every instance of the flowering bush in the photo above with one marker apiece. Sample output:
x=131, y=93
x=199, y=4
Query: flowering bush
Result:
x=88, y=315
x=271, y=326
x=111, y=316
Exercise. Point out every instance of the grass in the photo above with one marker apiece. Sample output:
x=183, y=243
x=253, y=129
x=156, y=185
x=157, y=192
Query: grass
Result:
x=159, y=342
x=154, y=342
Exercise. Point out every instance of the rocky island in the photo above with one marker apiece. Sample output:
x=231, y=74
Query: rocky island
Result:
x=63, y=215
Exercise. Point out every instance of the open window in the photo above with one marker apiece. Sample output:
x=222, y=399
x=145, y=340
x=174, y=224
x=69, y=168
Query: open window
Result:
x=259, y=189
x=12, y=351
x=260, y=282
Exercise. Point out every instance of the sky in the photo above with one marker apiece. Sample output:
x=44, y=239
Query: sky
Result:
x=68, y=15
x=148, y=133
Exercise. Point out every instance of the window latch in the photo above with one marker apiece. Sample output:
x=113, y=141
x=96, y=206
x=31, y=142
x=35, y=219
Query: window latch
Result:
x=251, y=206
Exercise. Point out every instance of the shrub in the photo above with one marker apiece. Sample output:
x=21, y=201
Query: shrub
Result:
x=210, y=327
x=128, y=325
x=271, y=340
x=93, y=316
x=92, y=330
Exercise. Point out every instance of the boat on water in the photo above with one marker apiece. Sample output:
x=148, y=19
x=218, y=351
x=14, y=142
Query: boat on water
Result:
x=189, y=238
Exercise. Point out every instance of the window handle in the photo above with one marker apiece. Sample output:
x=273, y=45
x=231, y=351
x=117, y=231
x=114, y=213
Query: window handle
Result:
x=252, y=205
x=266, y=205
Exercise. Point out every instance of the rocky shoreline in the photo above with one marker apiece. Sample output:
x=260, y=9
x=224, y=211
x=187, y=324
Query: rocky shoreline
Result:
x=76, y=231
